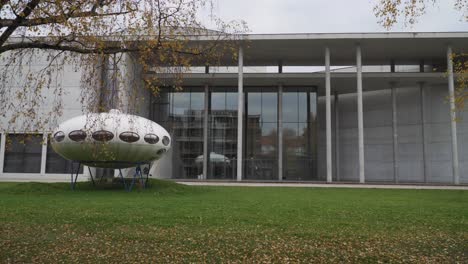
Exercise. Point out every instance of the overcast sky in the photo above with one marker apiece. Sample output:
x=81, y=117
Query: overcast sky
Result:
x=315, y=16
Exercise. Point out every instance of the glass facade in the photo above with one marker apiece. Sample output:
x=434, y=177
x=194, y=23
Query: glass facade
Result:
x=299, y=134
x=23, y=153
x=182, y=114
x=222, y=134
x=261, y=134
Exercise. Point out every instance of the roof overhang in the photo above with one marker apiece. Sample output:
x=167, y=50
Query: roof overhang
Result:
x=341, y=82
x=377, y=48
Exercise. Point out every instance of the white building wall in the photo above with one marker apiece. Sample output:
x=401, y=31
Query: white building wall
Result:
x=64, y=88
x=379, y=138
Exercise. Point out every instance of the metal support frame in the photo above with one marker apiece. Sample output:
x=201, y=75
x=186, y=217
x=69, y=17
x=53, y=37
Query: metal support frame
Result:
x=240, y=114
x=337, y=136
x=206, y=156
x=453, y=116
x=128, y=187
x=328, y=114
x=362, y=178
x=74, y=176
x=280, y=132
x=396, y=178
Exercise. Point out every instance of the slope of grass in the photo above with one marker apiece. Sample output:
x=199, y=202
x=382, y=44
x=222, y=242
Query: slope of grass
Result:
x=175, y=223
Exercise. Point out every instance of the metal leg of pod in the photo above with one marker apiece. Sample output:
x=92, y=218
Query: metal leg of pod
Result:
x=74, y=176
x=100, y=178
x=91, y=175
x=123, y=180
x=147, y=174
x=137, y=175
x=133, y=180
x=140, y=174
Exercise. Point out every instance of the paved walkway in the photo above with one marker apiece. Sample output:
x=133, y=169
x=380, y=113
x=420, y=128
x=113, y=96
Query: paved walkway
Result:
x=327, y=185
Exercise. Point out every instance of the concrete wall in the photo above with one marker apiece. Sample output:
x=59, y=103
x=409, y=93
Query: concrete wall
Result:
x=378, y=136
x=64, y=89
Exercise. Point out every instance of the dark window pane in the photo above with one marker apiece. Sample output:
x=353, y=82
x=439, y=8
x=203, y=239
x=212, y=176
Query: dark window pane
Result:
x=231, y=101
x=185, y=125
x=23, y=153
x=57, y=164
x=302, y=106
x=269, y=107
x=59, y=136
x=103, y=135
x=290, y=107
x=299, y=140
x=197, y=101
x=129, y=137
x=222, y=135
x=166, y=141
x=269, y=139
x=151, y=138
x=254, y=101
x=77, y=135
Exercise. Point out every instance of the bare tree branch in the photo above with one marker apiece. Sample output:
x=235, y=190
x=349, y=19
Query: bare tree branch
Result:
x=23, y=15
x=56, y=19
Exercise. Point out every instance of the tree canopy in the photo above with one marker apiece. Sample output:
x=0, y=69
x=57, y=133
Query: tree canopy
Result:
x=94, y=36
x=390, y=12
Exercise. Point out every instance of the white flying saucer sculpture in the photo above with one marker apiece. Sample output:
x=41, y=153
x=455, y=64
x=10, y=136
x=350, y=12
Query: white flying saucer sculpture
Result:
x=110, y=140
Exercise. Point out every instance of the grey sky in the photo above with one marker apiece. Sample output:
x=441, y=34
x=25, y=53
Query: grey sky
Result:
x=312, y=16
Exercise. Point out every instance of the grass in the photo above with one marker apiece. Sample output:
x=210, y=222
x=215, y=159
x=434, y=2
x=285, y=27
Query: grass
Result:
x=169, y=222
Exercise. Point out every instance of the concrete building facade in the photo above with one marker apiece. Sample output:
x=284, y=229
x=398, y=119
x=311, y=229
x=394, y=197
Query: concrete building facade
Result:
x=367, y=107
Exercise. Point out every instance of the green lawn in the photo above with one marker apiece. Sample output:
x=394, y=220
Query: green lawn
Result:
x=175, y=223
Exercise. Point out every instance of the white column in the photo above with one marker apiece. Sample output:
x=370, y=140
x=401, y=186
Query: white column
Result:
x=328, y=114
x=240, y=110
x=395, y=132
x=360, y=114
x=337, y=137
x=206, y=155
x=280, y=132
x=423, y=130
x=2, y=151
x=45, y=141
x=453, y=116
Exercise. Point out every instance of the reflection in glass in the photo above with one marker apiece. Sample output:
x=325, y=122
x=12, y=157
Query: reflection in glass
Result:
x=129, y=137
x=181, y=113
x=261, y=134
x=299, y=133
x=222, y=135
x=151, y=138
x=59, y=136
x=103, y=135
x=23, y=153
x=77, y=135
